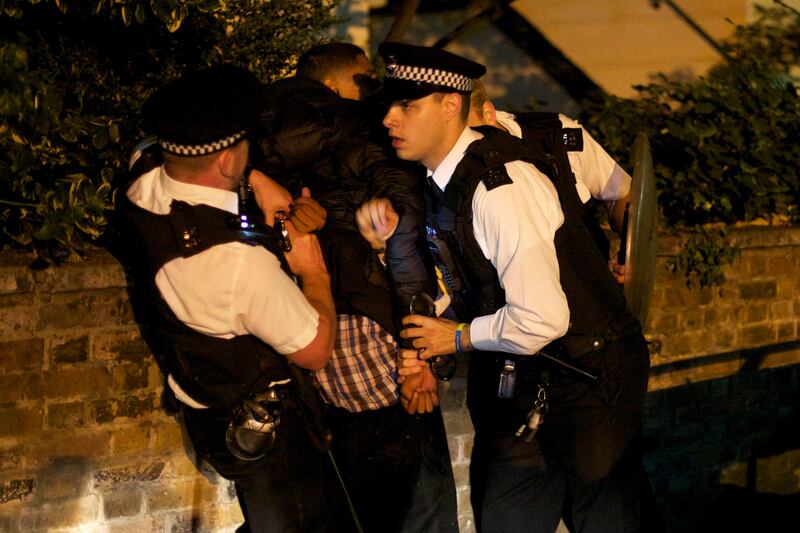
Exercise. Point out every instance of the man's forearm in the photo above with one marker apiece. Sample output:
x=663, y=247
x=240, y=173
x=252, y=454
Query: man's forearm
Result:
x=317, y=290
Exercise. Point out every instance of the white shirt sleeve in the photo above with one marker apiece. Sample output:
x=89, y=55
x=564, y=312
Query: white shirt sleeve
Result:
x=272, y=307
x=237, y=289
x=515, y=226
x=596, y=172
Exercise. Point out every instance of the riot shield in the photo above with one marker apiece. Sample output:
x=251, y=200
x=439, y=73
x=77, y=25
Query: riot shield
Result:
x=641, y=242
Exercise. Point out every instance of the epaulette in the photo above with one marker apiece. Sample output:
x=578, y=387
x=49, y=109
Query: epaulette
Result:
x=572, y=139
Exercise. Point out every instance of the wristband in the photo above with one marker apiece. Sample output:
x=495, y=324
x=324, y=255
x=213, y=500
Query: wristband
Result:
x=459, y=329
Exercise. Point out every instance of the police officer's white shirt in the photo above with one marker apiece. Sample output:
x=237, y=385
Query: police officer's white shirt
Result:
x=515, y=226
x=230, y=289
x=597, y=175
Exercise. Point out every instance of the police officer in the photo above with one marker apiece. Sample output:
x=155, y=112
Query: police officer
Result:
x=525, y=280
x=598, y=177
x=231, y=331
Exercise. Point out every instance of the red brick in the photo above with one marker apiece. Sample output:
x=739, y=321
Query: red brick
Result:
x=145, y=471
x=65, y=415
x=17, y=316
x=69, y=514
x=664, y=321
x=718, y=314
x=688, y=297
x=131, y=438
x=755, y=312
x=122, y=502
x=126, y=345
x=788, y=289
x=178, y=494
x=752, y=290
x=24, y=354
x=724, y=338
x=20, y=420
x=692, y=319
x=781, y=310
x=16, y=489
x=108, y=307
x=674, y=345
x=758, y=335
x=65, y=480
x=167, y=436
x=87, y=381
x=144, y=524
x=217, y=517
x=11, y=387
x=69, y=350
x=11, y=458
x=756, y=263
x=787, y=331
x=95, y=271
x=33, y=385
x=782, y=263
x=130, y=377
x=108, y=410
x=58, y=447
x=15, y=276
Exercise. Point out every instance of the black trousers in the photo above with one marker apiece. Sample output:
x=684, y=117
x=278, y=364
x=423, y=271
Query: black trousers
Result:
x=285, y=491
x=397, y=470
x=582, y=463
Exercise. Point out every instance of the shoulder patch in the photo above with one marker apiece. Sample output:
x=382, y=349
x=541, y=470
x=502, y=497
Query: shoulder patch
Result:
x=572, y=139
x=495, y=177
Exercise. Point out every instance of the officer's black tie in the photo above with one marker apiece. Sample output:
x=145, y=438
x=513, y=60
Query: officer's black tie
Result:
x=436, y=195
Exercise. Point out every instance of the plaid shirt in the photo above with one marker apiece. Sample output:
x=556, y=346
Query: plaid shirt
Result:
x=362, y=372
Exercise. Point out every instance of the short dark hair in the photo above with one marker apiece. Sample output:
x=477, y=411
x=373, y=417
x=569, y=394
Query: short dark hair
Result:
x=320, y=61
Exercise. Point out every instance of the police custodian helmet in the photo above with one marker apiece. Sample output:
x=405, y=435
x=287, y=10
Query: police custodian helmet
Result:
x=416, y=71
x=205, y=111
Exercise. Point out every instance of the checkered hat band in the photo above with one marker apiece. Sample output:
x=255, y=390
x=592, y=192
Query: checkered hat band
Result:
x=431, y=75
x=201, y=149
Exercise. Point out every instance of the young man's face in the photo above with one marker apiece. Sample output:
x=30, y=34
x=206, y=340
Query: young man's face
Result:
x=417, y=129
x=352, y=82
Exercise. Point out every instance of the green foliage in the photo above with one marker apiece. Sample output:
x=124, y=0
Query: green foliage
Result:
x=704, y=254
x=724, y=145
x=73, y=77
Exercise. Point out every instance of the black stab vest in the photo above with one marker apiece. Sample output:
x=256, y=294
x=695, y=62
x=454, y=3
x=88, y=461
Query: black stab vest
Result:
x=593, y=296
x=543, y=134
x=213, y=371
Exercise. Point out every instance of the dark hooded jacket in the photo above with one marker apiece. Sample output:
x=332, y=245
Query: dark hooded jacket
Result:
x=311, y=137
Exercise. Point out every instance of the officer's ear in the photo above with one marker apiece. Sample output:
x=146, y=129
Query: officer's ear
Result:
x=226, y=162
x=451, y=104
x=232, y=160
x=489, y=113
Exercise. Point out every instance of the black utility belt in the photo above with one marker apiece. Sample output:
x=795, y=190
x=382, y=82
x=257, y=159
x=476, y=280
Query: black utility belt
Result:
x=624, y=327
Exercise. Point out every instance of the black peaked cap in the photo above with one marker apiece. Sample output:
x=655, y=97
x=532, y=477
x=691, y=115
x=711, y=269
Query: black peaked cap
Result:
x=204, y=111
x=416, y=71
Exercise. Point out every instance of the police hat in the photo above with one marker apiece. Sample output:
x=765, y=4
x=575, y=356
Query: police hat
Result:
x=204, y=111
x=416, y=71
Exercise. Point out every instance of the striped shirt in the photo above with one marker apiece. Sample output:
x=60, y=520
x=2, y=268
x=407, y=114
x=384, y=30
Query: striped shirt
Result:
x=361, y=374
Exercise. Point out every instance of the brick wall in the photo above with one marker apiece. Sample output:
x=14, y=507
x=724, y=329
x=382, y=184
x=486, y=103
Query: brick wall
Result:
x=84, y=444
x=721, y=443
